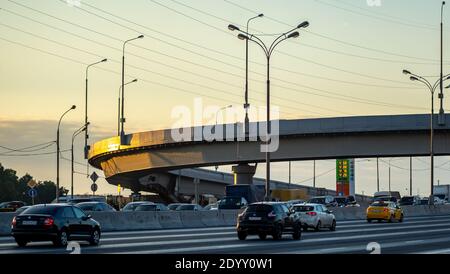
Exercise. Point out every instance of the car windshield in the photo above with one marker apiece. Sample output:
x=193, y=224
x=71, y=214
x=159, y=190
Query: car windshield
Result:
x=407, y=199
x=131, y=206
x=231, y=201
x=186, y=207
x=303, y=208
x=146, y=208
x=379, y=204
x=259, y=208
x=44, y=210
x=173, y=206
x=317, y=201
x=87, y=207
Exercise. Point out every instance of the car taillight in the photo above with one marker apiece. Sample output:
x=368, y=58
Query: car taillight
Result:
x=271, y=215
x=311, y=213
x=48, y=222
x=14, y=221
x=385, y=210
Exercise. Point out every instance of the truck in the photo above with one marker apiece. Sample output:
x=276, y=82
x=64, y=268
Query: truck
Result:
x=442, y=192
x=239, y=196
x=285, y=195
x=393, y=196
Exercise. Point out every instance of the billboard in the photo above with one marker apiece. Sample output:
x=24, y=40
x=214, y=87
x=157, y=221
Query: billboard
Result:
x=345, y=177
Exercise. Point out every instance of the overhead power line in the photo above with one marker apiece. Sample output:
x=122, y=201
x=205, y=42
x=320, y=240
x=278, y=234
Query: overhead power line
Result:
x=332, y=38
x=30, y=148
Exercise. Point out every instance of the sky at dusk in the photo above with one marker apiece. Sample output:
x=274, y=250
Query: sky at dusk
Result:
x=347, y=63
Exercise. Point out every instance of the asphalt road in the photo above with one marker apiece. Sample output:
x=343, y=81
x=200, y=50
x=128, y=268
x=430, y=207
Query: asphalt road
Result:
x=414, y=235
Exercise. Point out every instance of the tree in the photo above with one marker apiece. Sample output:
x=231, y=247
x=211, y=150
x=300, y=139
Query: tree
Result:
x=12, y=188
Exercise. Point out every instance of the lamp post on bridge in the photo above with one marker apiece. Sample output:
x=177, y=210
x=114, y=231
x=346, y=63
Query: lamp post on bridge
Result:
x=432, y=89
x=118, y=106
x=268, y=53
x=86, y=135
x=122, y=120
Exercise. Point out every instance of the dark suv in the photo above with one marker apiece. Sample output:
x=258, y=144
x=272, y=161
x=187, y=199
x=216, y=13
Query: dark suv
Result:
x=268, y=218
x=58, y=223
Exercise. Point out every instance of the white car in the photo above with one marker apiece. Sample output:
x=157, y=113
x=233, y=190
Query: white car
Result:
x=315, y=216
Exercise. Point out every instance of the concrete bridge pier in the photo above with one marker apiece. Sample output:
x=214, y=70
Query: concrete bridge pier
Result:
x=243, y=174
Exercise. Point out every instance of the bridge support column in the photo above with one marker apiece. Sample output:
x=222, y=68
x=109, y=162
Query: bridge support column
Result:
x=243, y=174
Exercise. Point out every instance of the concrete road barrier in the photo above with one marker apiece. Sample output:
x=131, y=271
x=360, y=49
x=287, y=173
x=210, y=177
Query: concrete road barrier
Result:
x=211, y=218
x=191, y=219
x=229, y=217
x=5, y=222
x=115, y=221
x=170, y=219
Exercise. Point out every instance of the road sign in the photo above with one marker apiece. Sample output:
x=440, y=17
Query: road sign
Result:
x=32, y=192
x=94, y=177
x=94, y=187
x=32, y=183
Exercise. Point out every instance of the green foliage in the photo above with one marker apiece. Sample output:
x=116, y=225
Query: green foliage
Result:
x=13, y=188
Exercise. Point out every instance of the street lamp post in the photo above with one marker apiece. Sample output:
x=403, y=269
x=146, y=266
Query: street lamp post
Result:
x=441, y=118
x=268, y=52
x=86, y=135
x=118, y=106
x=75, y=134
x=246, y=104
x=58, y=150
x=122, y=120
x=432, y=88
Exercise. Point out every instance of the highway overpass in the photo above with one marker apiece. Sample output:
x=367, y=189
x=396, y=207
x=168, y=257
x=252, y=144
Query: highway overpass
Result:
x=156, y=152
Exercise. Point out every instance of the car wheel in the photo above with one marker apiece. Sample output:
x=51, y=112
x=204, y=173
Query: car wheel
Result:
x=262, y=236
x=379, y=221
x=95, y=237
x=278, y=232
x=297, y=232
x=333, y=226
x=21, y=242
x=61, y=238
x=317, y=228
x=369, y=220
x=391, y=219
x=242, y=235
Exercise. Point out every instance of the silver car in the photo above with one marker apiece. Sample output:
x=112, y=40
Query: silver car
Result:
x=315, y=216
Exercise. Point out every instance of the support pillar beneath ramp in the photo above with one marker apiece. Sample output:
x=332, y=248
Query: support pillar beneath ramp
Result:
x=243, y=174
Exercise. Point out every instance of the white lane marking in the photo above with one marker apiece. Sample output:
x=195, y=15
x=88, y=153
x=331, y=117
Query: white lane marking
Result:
x=259, y=244
x=435, y=251
x=177, y=236
x=360, y=247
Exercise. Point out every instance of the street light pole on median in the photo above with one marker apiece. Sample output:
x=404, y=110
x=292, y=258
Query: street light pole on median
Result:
x=268, y=52
x=122, y=120
x=75, y=134
x=432, y=89
x=86, y=135
x=441, y=117
x=58, y=150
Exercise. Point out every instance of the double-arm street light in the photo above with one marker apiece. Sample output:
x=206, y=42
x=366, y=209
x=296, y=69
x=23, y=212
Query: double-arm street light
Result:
x=58, y=150
x=432, y=88
x=118, y=106
x=75, y=134
x=86, y=135
x=246, y=104
x=122, y=120
x=268, y=52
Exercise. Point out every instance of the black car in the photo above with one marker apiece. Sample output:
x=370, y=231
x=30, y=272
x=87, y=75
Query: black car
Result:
x=11, y=206
x=268, y=218
x=58, y=223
